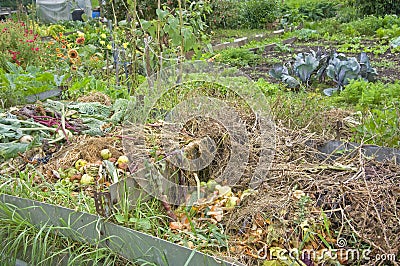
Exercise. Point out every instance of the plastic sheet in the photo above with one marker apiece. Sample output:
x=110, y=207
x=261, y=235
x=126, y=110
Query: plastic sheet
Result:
x=51, y=11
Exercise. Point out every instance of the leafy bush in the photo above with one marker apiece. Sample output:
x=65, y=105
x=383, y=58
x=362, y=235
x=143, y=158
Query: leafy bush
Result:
x=319, y=10
x=391, y=32
x=255, y=14
x=18, y=83
x=380, y=127
x=328, y=26
x=225, y=14
x=295, y=14
x=378, y=7
x=368, y=25
x=250, y=14
x=347, y=13
x=307, y=34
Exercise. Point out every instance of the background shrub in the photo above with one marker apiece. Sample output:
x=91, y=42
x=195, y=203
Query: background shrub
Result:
x=378, y=7
x=320, y=10
x=14, y=3
x=225, y=14
x=255, y=14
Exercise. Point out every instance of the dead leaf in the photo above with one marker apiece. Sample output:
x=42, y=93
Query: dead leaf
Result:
x=176, y=225
x=297, y=194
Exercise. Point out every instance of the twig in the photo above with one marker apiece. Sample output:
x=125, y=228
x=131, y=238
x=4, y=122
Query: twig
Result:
x=359, y=235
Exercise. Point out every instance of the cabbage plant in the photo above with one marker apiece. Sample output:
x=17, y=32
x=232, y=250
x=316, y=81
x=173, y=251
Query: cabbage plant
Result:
x=342, y=69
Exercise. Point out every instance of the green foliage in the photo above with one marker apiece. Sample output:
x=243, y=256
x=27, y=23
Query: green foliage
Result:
x=346, y=13
x=147, y=9
x=298, y=110
x=319, y=10
x=380, y=107
x=44, y=244
x=18, y=83
x=377, y=7
x=393, y=31
x=369, y=25
x=248, y=14
x=369, y=95
x=170, y=29
x=238, y=57
x=255, y=14
x=380, y=127
x=295, y=13
x=225, y=14
x=116, y=9
x=14, y=4
x=307, y=34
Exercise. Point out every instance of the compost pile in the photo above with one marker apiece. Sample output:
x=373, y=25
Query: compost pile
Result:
x=314, y=203
x=307, y=202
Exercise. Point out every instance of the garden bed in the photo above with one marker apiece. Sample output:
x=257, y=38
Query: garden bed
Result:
x=387, y=63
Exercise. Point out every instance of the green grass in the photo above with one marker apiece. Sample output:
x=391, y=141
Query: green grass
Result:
x=44, y=245
x=298, y=110
x=31, y=184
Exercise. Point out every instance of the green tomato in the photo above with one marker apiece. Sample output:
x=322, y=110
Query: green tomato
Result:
x=105, y=154
x=87, y=179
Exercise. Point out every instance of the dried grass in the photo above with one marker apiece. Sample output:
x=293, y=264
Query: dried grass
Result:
x=360, y=197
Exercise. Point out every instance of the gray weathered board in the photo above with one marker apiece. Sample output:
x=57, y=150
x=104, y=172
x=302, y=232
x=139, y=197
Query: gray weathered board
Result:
x=43, y=95
x=92, y=229
x=334, y=149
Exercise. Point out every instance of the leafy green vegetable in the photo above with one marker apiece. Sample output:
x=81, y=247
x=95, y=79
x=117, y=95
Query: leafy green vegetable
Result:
x=119, y=110
x=10, y=150
x=281, y=72
x=366, y=71
x=305, y=65
x=342, y=69
x=9, y=131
